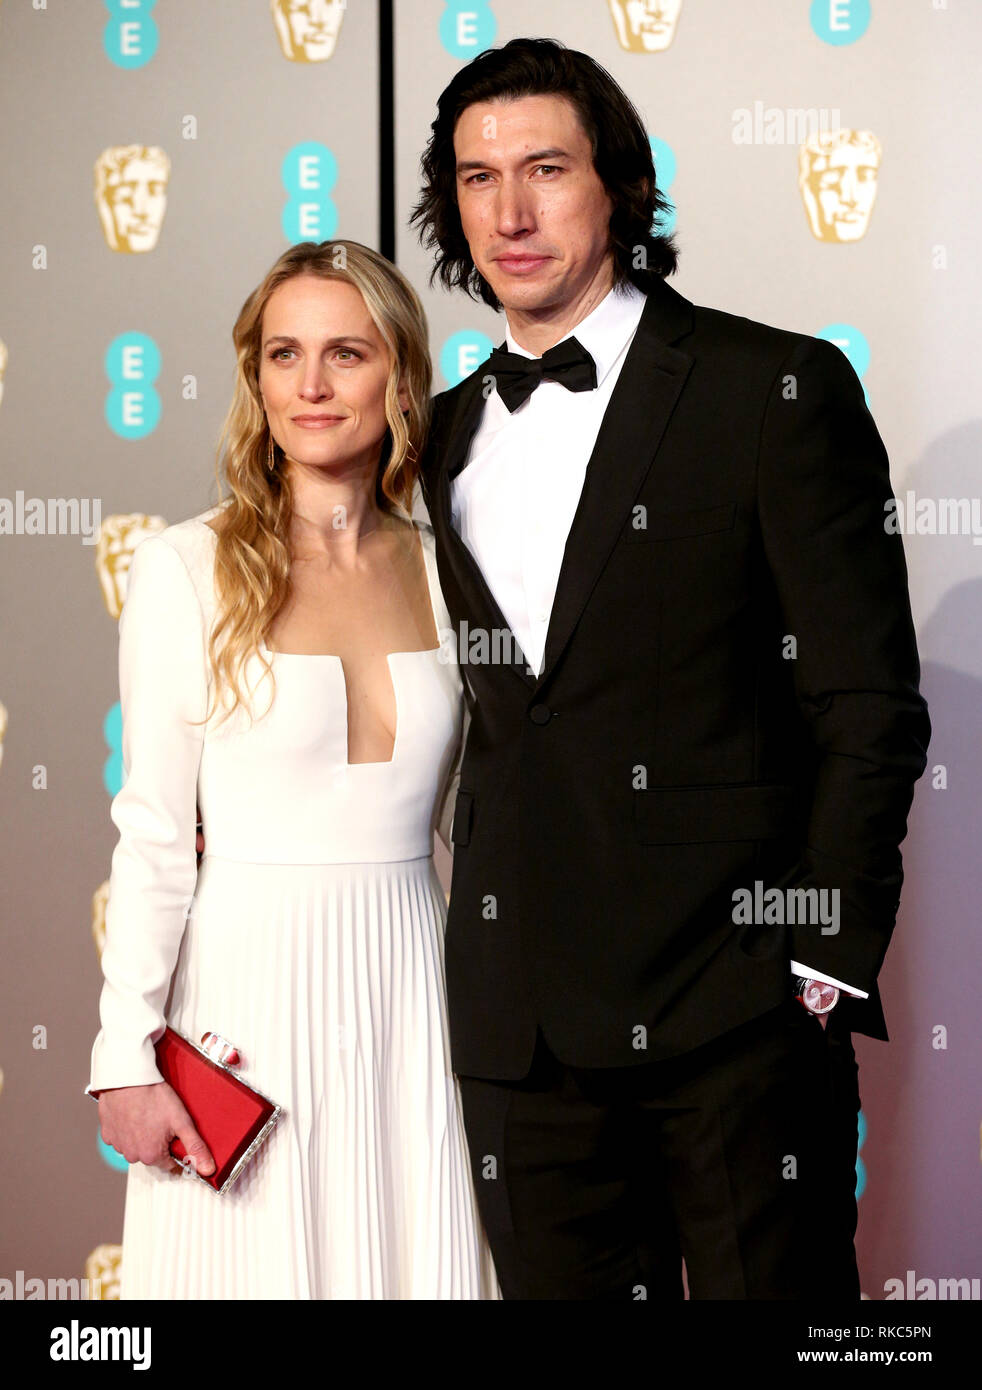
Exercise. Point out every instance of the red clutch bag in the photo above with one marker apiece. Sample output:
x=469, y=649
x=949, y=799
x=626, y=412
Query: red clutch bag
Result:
x=232, y=1118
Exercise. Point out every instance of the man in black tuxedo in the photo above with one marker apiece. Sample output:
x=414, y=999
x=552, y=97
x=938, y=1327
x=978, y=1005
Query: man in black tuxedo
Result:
x=693, y=696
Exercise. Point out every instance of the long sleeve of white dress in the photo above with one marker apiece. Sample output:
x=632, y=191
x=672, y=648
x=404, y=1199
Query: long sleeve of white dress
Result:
x=163, y=685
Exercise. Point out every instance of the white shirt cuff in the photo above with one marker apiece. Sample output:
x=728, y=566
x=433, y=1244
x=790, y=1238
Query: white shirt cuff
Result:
x=810, y=974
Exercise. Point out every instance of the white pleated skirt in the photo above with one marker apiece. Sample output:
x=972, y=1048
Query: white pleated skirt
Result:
x=329, y=980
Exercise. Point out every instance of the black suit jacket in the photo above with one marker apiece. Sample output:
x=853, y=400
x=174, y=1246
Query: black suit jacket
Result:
x=677, y=746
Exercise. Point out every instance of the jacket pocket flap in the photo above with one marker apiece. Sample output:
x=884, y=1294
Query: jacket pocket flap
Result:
x=695, y=815
x=692, y=521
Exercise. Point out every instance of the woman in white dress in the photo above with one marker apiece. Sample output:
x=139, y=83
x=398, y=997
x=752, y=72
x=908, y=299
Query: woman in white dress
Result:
x=280, y=664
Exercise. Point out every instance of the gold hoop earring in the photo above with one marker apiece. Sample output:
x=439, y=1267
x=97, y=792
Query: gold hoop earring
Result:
x=270, y=456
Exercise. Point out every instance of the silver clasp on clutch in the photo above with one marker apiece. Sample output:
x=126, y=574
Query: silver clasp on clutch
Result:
x=219, y=1049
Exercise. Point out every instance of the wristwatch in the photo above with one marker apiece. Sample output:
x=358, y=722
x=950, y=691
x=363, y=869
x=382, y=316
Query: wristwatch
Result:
x=817, y=996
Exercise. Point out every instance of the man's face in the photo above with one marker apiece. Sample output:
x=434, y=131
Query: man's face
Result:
x=534, y=211
x=137, y=198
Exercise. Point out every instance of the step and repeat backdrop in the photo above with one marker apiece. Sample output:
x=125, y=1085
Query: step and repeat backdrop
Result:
x=158, y=155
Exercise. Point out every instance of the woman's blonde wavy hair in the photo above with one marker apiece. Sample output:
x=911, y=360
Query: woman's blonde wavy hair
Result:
x=252, y=556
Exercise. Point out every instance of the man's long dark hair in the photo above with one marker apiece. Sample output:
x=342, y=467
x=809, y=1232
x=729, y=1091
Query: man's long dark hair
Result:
x=621, y=157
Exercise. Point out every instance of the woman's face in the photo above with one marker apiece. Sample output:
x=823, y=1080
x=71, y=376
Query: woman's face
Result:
x=322, y=374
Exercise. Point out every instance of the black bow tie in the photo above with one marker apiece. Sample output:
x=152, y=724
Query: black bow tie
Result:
x=516, y=377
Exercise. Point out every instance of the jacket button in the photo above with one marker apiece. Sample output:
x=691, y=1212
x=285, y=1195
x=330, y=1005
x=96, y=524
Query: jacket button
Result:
x=540, y=714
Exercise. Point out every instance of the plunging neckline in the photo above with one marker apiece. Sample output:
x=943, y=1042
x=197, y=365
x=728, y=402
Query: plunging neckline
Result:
x=333, y=656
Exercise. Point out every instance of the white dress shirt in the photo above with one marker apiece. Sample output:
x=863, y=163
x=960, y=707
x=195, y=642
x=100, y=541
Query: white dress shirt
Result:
x=513, y=503
x=514, y=500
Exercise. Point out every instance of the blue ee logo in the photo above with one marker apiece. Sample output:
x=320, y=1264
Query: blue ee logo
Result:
x=132, y=365
x=462, y=354
x=467, y=27
x=130, y=36
x=853, y=344
x=665, y=166
x=309, y=172
x=839, y=22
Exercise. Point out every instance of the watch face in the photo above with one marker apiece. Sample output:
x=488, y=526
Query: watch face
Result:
x=819, y=997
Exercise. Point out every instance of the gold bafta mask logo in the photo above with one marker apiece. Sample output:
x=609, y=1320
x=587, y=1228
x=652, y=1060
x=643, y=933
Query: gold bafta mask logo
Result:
x=118, y=537
x=131, y=195
x=3, y=365
x=102, y=1270
x=3, y=727
x=645, y=26
x=837, y=173
x=100, y=900
x=307, y=29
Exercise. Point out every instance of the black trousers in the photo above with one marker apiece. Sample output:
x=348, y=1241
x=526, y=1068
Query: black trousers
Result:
x=738, y=1156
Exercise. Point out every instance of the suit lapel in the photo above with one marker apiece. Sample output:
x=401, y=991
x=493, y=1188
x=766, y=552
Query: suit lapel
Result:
x=634, y=422
x=479, y=603
x=640, y=406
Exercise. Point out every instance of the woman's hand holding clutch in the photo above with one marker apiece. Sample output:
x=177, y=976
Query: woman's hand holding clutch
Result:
x=140, y=1121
